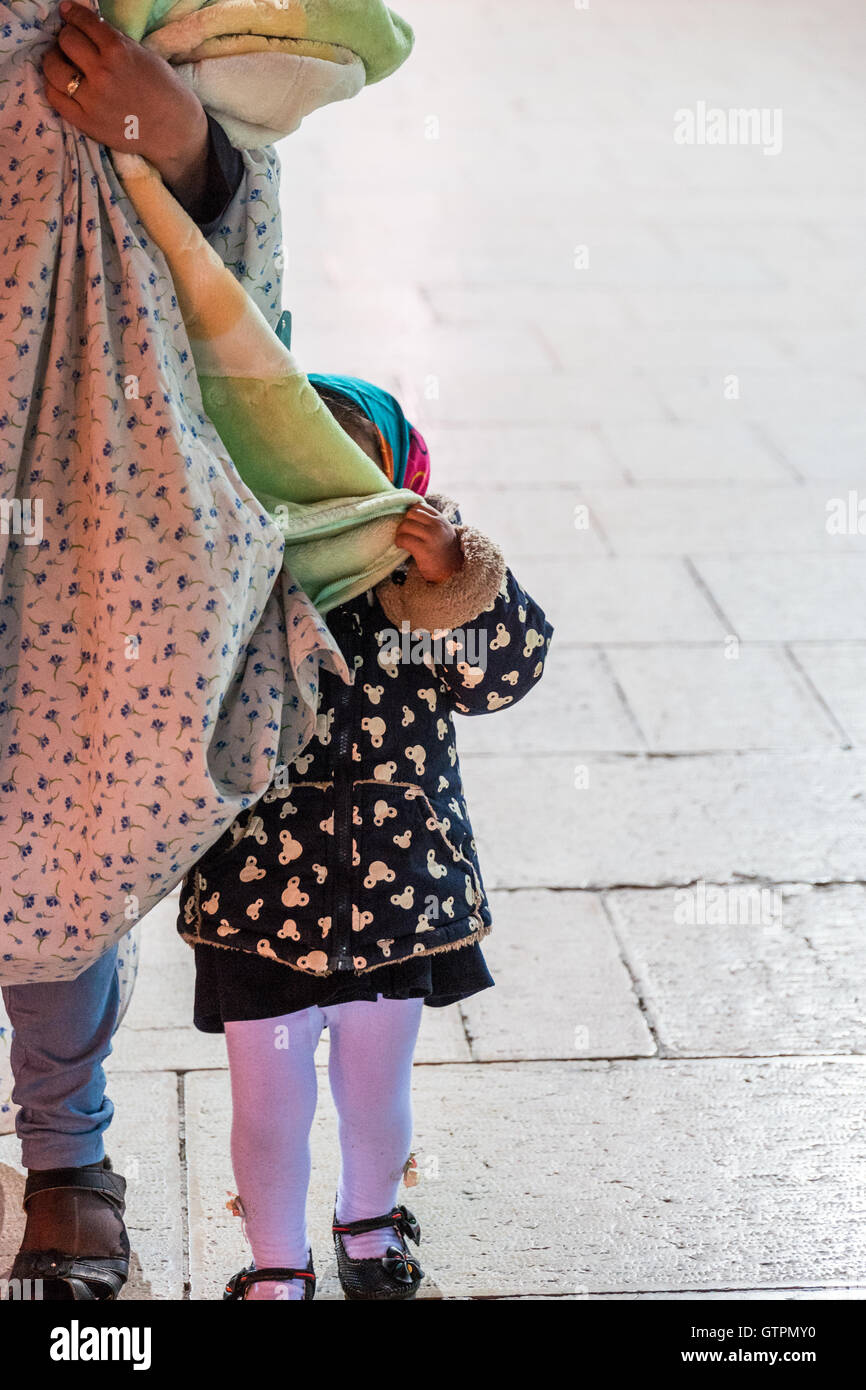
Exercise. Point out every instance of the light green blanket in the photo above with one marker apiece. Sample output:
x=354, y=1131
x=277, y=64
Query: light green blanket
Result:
x=157, y=662
x=336, y=510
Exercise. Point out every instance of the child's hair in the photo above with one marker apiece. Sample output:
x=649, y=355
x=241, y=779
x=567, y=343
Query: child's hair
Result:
x=351, y=417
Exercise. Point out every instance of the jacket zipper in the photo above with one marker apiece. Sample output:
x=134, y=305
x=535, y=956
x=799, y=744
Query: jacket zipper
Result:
x=341, y=896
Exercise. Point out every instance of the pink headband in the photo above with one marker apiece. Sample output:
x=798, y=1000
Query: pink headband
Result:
x=418, y=463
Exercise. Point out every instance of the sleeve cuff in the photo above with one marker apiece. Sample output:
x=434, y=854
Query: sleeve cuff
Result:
x=455, y=602
x=224, y=174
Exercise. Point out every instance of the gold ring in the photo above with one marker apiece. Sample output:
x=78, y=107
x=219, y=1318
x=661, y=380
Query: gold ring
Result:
x=73, y=84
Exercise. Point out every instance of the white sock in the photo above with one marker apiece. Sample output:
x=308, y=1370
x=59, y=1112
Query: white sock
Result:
x=273, y=1078
x=370, y=1072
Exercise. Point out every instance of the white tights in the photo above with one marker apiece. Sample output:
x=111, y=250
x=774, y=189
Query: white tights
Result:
x=273, y=1078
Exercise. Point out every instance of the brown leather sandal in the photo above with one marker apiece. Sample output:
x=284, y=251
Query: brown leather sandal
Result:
x=78, y=1278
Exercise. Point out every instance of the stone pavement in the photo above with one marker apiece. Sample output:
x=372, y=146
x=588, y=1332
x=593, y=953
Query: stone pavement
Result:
x=640, y=365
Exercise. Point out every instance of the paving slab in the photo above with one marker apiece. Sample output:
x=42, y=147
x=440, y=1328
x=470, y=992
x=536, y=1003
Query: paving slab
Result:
x=503, y=456
x=481, y=397
x=747, y=969
x=793, y=397
x=731, y=520
x=790, y=598
x=557, y=1178
x=695, y=698
x=603, y=601
x=581, y=313
x=525, y=521
x=590, y=821
x=360, y=314
x=708, y=344
x=799, y=307
x=628, y=1217
x=216, y=1245
x=693, y=453
x=12, y=1176
x=165, y=1049
x=839, y=342
x=451, y=244
x=562, y=989
x=145, y=1147
x=831, y=449
x=576, y=705
x=636, y=258
x=832, y=1295
x=838, y=672
x=424, y=351
x=157, y=1032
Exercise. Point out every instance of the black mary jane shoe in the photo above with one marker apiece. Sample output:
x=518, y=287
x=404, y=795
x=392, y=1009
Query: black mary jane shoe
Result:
x=236, y=1288
x=394, y=1275
x=74, y=1278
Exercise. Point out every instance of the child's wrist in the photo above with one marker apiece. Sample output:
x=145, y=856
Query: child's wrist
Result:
x=451, y=564
x=455, y=568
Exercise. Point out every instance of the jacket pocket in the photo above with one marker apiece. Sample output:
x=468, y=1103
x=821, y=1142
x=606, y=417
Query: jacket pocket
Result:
x=411, y=876
x=273, y=874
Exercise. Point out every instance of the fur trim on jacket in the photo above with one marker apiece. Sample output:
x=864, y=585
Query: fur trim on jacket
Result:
x=407, y=598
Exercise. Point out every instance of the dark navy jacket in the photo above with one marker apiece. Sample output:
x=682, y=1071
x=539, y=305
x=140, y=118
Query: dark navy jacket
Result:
x=363, y=853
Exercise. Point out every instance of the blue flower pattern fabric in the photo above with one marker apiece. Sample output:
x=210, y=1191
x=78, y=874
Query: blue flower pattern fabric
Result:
x=156, y=662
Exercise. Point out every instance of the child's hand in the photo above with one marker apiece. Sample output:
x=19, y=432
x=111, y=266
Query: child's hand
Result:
x=120, y=79
x=431, y=541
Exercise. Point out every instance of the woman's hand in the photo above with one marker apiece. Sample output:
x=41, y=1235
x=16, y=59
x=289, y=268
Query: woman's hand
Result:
x=432, y=542
x=128, y=99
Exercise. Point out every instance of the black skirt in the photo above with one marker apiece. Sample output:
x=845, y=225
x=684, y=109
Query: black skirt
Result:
x=235, y=986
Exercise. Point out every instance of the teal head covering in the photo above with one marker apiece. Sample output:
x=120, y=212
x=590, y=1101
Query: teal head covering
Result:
x=385, y=413
x=405, y=454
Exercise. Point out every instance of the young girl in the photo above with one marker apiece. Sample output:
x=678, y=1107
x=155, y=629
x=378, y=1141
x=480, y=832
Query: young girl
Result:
x=351, y=895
